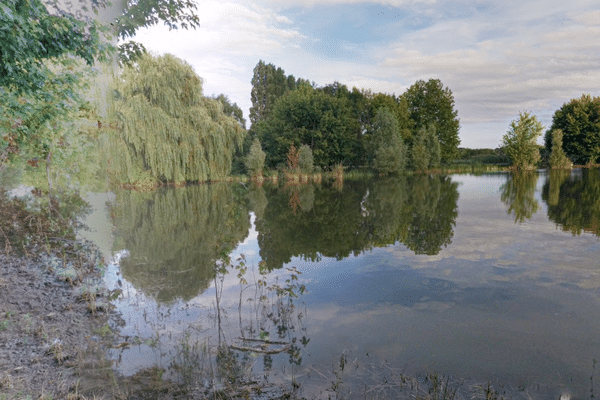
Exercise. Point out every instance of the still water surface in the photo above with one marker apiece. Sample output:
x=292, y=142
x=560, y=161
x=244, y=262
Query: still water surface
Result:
x=491, y=278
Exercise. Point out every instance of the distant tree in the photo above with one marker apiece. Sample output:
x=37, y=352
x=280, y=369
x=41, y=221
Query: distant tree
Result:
x=579, y=120
x=420, y=155
x=169, y=130
x=558, y=158
x=433, y=145
x=255, y=161
x=305, y=159
x=520, y=141
x=311, y=117
x=399, y=107
x=389, y=148
x=268, y=84
x=232, y=109
x=293, y=157
x=430, y=103
x=391, y=159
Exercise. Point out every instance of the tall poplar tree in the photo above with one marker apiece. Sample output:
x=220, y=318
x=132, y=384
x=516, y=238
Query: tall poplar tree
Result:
x=168, y=130
x=268, y=84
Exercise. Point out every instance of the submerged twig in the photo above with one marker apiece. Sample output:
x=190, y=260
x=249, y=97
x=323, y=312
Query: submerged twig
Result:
x=258, y=350
x=262, y=341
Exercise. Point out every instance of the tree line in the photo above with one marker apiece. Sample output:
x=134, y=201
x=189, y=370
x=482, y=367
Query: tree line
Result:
x=172, y=132
x=352, y=127
x=573, y=137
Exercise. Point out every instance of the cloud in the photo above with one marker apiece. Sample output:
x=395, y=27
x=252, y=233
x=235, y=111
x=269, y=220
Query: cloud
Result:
x=529, y=67
x=313, y=3
x=497, y=57
x=231, y=39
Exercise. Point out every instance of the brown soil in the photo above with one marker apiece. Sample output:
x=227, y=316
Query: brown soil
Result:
x=45, y=322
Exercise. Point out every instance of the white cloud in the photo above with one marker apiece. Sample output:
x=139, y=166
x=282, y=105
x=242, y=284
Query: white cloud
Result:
x=497, y=58
x=531, y=68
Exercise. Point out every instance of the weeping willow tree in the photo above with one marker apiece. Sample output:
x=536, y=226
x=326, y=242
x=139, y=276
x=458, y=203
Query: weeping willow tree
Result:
x=168, y=131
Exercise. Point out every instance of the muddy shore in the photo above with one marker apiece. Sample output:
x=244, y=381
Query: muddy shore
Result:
x=46, y=322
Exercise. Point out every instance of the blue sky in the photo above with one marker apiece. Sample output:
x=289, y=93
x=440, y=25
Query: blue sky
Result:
x=498, y=58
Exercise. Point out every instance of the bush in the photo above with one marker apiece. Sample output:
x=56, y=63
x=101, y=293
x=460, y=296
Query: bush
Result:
x=305, y=159
x=391, y=158
x=558, y=159
x=420, y=152
x=255, y=161
x=520, y=141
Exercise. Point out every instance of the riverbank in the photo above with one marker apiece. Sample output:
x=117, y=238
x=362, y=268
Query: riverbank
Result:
x=46, y=324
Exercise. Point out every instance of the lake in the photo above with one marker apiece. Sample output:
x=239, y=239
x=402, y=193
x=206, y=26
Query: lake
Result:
x=490, y=278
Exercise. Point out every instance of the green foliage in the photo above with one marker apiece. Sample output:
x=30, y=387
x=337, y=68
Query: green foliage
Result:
x=558, y=159
x=573, y=200
x=55, y=126
x=420, y=155
x=184, y=224
x=311, y=117
x=429, y=103
x=433, y=145
x=268, y=84
x=255, y=161
x=579, y=120
x=169, y=130
x=31, y=37
x=390, y=151
x=399, y=108
x=305, y=159
x=520, y=141
x=391, y=159
x=482, y=156
x=232, y=109
x=518, y=193
x=145, y=13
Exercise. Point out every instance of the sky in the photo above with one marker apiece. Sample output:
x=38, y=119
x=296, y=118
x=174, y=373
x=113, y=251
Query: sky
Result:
x=497, y=57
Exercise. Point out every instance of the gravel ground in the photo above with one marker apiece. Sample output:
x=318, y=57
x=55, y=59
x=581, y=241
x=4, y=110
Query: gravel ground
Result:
x=46, y=326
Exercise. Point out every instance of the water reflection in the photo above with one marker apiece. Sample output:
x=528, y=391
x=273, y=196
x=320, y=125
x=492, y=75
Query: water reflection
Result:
x=572, y=200
x=174, y=236
x=498, y=290
x=314, y=221
x=518, y=193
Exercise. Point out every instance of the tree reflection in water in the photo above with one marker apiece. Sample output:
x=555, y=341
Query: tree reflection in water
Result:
x=174, y=236
x=573, y=200
x=419, y=211
x=518, y=193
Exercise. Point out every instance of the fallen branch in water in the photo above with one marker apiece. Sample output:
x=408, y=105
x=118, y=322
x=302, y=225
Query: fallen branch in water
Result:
x=261, y=340
x=259, y=350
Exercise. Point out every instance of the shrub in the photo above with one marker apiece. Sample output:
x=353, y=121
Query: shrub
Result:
x=255, y=161
x=305, y=159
